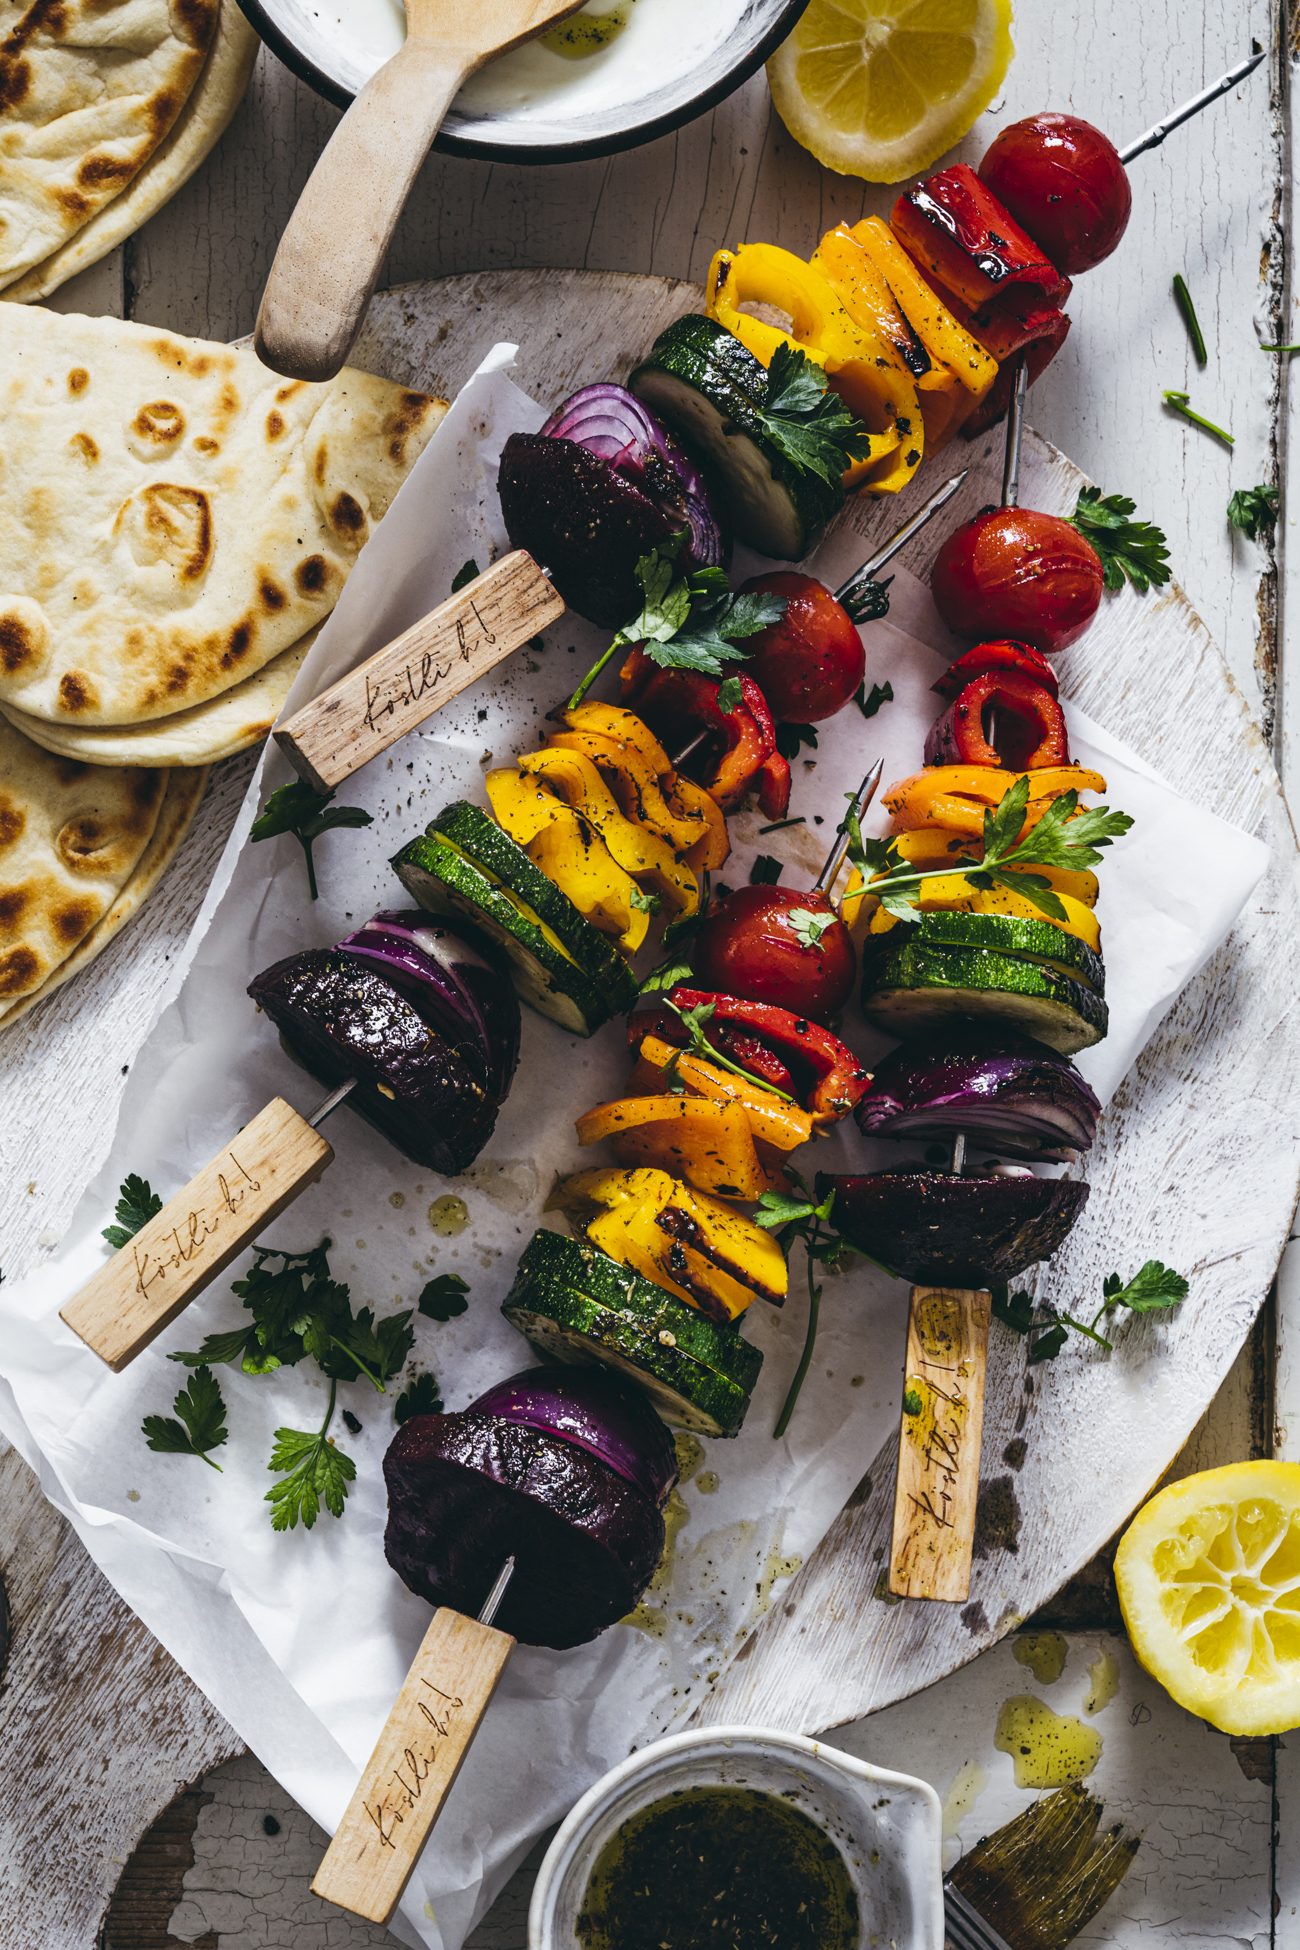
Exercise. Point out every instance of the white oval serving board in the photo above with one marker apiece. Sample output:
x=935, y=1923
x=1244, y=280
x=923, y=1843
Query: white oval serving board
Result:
x=1200, y=1149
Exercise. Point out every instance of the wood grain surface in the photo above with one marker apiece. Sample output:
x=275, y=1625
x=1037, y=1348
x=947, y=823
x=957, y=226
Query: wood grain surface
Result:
x=940, y=1436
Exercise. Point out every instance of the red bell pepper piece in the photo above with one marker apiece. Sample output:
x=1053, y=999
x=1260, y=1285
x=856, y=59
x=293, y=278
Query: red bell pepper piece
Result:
x=1040, y=338
x=824, y=1075
x=970, y=246
x=1007, y=654
x=1030, y=725
x=740, y=749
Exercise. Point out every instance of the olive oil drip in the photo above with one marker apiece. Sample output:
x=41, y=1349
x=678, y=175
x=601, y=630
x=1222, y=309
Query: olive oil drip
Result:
x=586, y=34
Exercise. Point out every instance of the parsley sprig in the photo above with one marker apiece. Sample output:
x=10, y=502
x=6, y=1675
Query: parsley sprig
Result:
x=687, y=621
x=1131, y=551
x=799, y=1218
x=806, y=420
x=200, y=1425
x=1154, y=1288
x=693, y=1021
x=314, y=1470
x=299, y=809
x=1181, y=403
x=137, y=1202
x=1064, y=837
x=1253, y=510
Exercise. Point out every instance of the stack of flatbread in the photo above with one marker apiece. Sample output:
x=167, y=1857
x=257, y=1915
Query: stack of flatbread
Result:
x=178, y=521
x=80, y=848
x=106, y=108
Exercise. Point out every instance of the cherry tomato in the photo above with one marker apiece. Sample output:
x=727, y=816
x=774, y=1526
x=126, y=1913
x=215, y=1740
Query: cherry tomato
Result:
x=773, y=944
x=1063, y=182
x=810, y=663
x=1013, y=572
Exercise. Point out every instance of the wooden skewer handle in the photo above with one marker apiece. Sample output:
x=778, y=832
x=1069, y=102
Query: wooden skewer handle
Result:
x=939, y=1443
x=418, y=672
x=172, y=1258
x=413, y=1768
x=330, y=255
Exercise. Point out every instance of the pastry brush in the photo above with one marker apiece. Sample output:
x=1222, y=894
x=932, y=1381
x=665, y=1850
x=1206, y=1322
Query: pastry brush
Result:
x=1036, y=1882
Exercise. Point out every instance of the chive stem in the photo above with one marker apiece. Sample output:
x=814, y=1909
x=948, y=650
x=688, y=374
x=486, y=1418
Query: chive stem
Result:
x=1179, y=403
x=1183, y=299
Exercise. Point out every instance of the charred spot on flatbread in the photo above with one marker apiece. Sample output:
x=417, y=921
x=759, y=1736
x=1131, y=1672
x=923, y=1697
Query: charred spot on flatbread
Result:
x=19, y=643
x=410, y=416
x=101, y=171
x=159, y=423
x=73, y=919
x=76, y=692
x=78, y=379
x=269, y=591
x=14, y=903
x=171, y=524
x=311, y=575
x=275, y=424
x=12, y=821
x=239, y=643
x=197, y=19
x=347, y=516
x=19, y=969
x=85, y=447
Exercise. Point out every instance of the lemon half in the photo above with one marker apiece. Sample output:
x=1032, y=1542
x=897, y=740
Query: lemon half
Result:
x=881, y=88
x=1209, y=1585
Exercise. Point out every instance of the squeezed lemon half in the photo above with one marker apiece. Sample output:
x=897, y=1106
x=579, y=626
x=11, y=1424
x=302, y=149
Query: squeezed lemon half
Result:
x=881, y=88
x=1209, y=1585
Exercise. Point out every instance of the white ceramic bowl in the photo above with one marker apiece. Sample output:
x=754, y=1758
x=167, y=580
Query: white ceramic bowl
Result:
x=886, y=1825
x=675, y=59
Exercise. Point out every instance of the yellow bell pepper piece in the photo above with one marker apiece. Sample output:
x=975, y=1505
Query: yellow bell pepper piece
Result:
x=933, y=846
x=782, y=1125
x=710, y=1145
x=961, y=371
x=689, y=816
x=954, y=796
x=570, y=852
x=861, y=364
x=644, y=854
x=953, y=893
x=712, y=848
x=707, y=1254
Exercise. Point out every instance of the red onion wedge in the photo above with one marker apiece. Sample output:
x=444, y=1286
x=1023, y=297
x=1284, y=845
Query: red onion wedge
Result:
x=456, y=989
x=1007, y=1093
x=596, y=1410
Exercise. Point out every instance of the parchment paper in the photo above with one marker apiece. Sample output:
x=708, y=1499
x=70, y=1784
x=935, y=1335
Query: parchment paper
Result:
x=302, y=1639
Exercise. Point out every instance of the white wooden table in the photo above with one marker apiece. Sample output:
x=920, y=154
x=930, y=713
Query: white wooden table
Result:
x=227, y=1867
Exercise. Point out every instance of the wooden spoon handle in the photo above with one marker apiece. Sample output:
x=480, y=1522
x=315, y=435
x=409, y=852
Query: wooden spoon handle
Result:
x=331, y=253
x=182, y=1249
x=939, y=1442
x=403, y=684
x=414, y=1765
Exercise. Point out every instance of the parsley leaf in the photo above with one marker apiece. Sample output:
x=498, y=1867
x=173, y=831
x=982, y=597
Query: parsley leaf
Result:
x=912, y=1403
x=806, y=420
x=419, y=1397
x=1132, y=551
x=467, y=572
x=137, y=1202
x=668, y=974
x=202, y=1424
x=1253, y=510
x=299, y=809
x=791, y=738
x=808, y=927
x=693, y=1021
x=766, y=871
x=870, y=701
x=443, y=1297
x=1154, y=1288
x=314, y=1470
x=865, y=599
x=729, y=695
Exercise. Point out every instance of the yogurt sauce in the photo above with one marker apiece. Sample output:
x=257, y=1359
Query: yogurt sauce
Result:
x=613, y=52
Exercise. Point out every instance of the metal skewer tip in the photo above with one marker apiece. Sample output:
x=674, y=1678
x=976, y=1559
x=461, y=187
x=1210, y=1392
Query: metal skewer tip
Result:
x=492, y=1603
x=862, y=798
x=1176, y=117
x=926, y=512
x=332, y=1102
x=1015, y=438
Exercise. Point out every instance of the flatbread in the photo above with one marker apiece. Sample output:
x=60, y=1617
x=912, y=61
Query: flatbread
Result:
x=232, y=722
x=195, y=133
x=88, y=91
x=180, y=802
x=71, y=836
x=176, y=514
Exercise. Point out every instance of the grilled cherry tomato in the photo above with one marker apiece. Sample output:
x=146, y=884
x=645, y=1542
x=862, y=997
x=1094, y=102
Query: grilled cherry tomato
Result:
x=809, y=664
x=772, y=944
x=1064, y=183
x=1014, y=572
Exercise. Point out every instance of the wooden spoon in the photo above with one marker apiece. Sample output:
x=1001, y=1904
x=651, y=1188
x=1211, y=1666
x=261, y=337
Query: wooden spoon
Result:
x=330, y=255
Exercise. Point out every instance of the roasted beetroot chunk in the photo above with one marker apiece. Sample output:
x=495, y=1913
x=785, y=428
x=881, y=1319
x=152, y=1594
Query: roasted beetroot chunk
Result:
x=467, y=1491
x=933, y=1227
x=341, y=1018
